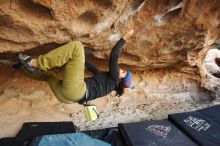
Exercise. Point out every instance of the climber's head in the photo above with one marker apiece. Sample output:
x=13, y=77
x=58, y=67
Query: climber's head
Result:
x=126, y=79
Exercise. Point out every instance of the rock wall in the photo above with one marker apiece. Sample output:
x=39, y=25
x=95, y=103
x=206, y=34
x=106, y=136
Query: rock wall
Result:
x=169, y=54
x=166, y=31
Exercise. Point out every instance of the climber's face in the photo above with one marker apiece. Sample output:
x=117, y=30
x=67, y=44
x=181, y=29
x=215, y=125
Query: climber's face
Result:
x=122, y=73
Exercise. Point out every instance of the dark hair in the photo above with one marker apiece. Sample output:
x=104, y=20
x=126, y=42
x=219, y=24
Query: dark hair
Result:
x=120, y=89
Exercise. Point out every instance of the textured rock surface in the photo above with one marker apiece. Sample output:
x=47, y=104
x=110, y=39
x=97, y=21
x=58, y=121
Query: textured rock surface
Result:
x=166, y=31
x=172, y=38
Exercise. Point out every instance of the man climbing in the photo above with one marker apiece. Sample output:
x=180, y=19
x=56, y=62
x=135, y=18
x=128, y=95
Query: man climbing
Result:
x=73, y=87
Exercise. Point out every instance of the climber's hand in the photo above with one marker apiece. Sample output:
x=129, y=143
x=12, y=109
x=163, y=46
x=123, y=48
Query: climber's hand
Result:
x=128, y=34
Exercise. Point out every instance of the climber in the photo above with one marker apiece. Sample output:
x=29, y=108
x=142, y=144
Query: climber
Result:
x=73, y=87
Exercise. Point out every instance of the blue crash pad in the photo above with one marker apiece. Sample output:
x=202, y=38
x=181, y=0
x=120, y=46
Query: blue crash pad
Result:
x=72, y=139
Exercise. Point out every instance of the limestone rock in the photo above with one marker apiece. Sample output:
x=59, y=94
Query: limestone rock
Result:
x=210, y=71
x=166, y=31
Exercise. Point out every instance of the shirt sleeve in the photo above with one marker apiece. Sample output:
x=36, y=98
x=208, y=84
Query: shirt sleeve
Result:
x=113, y=60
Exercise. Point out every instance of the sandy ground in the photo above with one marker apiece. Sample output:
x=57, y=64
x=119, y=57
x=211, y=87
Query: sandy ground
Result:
x=156, y=95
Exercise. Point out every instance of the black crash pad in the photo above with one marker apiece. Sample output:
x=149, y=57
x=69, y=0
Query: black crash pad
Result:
x=200, y=128
x=154, y=133
x=11, y=141
x=33, y=129
x=109, y=135
x=212, y=112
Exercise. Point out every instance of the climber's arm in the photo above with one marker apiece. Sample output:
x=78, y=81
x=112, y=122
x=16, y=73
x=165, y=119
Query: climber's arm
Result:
x=115, y=53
